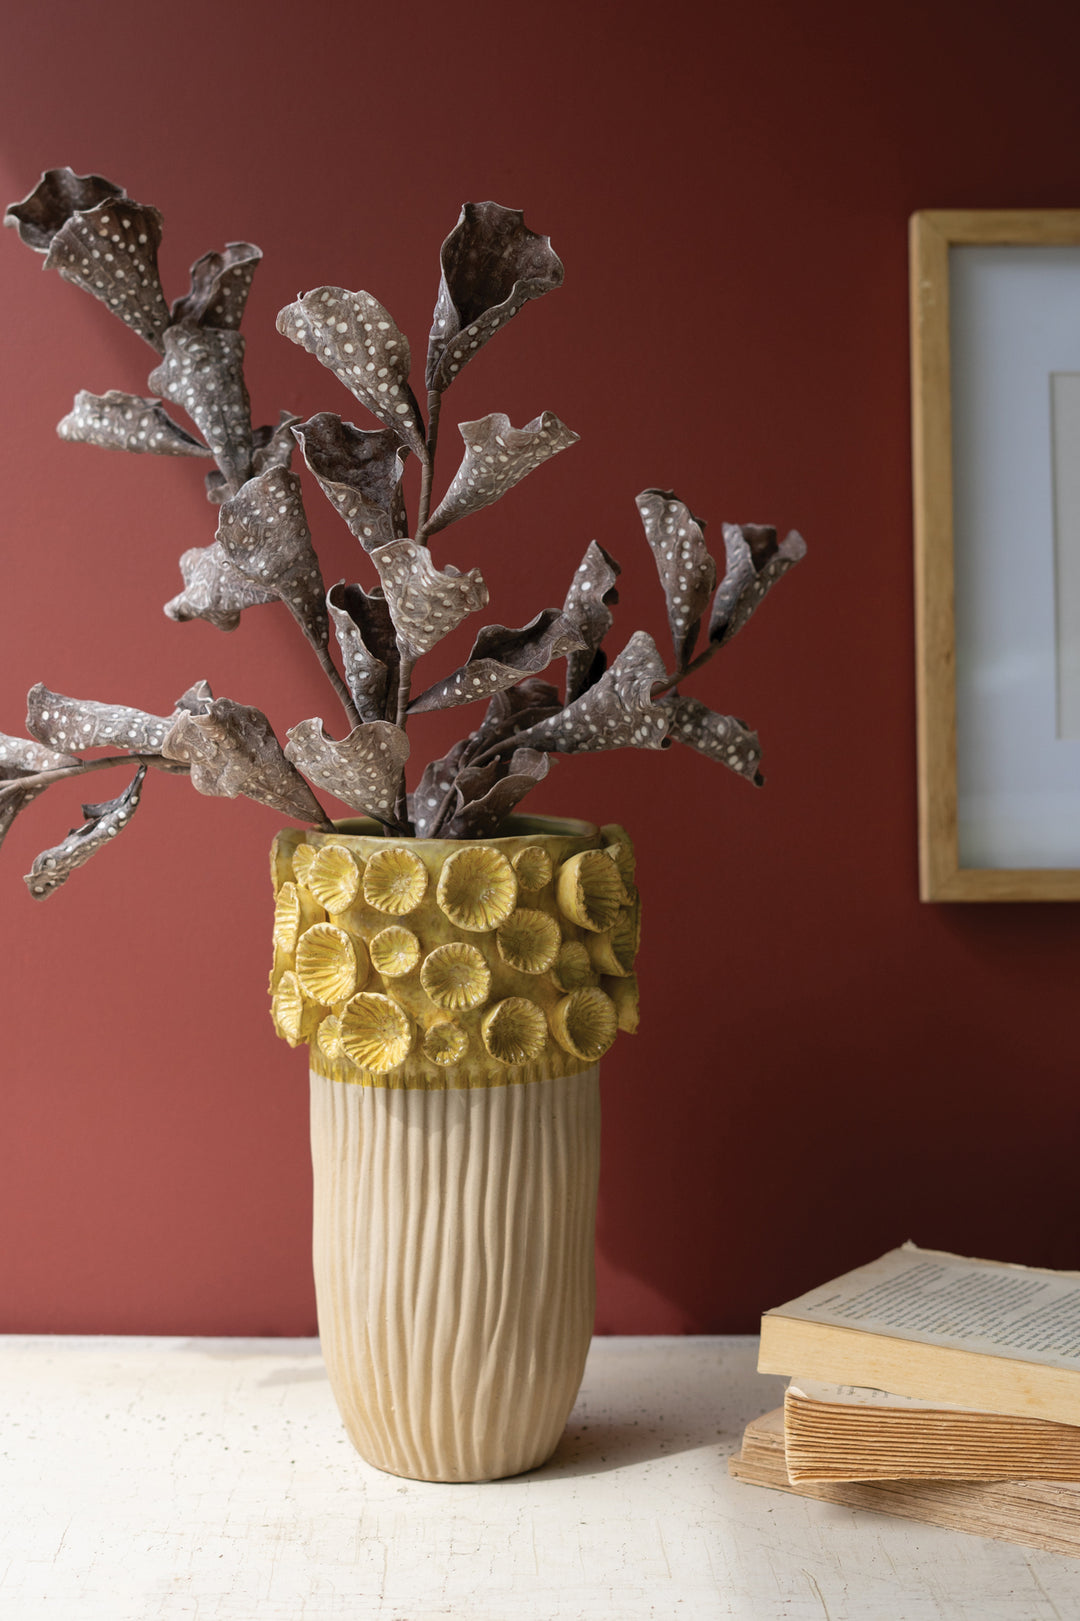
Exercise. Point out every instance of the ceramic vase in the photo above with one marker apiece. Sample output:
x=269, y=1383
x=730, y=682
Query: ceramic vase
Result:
x=456, y=997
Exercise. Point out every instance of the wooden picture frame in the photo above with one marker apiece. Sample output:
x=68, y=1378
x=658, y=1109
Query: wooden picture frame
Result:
x=933, y=235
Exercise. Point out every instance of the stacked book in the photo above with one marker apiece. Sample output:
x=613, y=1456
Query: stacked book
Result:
x=933, y=1387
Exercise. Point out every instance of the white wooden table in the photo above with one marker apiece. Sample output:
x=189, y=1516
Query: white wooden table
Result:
x=150, y=1479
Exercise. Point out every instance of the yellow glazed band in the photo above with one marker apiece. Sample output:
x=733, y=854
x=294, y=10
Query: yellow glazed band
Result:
x=476, y=993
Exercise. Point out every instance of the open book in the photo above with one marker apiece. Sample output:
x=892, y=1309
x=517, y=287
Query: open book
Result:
x=975, y=1334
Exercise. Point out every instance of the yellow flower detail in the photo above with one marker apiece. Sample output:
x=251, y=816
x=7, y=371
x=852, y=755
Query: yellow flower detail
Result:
x=514, y=1031
x=573, y=968
x=455, y=976
x=613, y=952
x=303, y=856
x=328, y=965
x=334, y=878
x=446, y=1042
x=624, y=994
x=286, y=917
x=394, y=951
x=533, y=867
x=590, y=890
x=477, y=888
x=294, y=1016
x=529, y=941
x=395, y=880
x=329, y=1038
x=585, y=1023
x=375, y=1033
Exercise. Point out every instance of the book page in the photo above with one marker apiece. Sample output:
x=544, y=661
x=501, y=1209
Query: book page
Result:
x=864, y=1396
x=939, y=1299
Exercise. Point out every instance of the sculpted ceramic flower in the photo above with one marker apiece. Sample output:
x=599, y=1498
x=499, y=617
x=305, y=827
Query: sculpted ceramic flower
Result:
x=445, y=1043
x=375, y=1033
x=529, y=940
x=333, y=877
x=395, y=881
x=477, y=888
x=585, y=1023
x=514, y=1031
x=590, y=890
x=456, y=976
x=394, y=952
x=328, y=965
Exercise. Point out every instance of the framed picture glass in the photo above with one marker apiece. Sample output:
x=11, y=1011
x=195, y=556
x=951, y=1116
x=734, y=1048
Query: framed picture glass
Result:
x=995, y=300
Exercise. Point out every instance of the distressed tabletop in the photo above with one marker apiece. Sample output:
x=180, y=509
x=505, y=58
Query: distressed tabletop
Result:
x=146, y=1479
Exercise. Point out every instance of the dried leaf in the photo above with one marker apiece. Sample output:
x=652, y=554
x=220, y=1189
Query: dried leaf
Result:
x=368, y=650
x=515, y=710
x=721, y=737
x=496, y=458
x=197, y=700
x=231, y=749
x=58, y=194
x=500, y=658
x=587, y=608
x=434, y=785
x=214, y=590
x=479, y=816
x=363, y=770
x=359, y=471
x=103, y=241
x=358, y=340
x=54, y=867
x=491, y=265
x=19, y=757
x=754, y=564
x=264, y=534
x=118, y=421
x=203, y=372
x=425, y=604
x=81, y=723
x=686, y=568
x=220, y=283
x=273, y=447
x=618, y=712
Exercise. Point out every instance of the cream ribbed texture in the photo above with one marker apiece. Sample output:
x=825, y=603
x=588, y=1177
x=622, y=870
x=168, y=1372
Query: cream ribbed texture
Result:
x=453, y=1250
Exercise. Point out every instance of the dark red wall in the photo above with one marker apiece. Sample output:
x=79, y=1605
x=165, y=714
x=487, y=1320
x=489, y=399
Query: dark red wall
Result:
x=826, y=1067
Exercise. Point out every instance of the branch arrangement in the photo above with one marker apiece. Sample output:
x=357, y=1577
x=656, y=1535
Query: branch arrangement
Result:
x=491, y=266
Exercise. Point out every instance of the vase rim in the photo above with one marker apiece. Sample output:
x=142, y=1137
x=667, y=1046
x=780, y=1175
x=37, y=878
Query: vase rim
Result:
x=517, y=827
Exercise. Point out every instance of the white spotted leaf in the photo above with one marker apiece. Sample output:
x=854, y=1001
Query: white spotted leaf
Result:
x=425, y=603
x=498, y=456
x=617, y=712
x=103, y=822
x=118, y=421
x=686, y=568
x=220, y=283
x=588, y=605
x=203, y=373
x=755, y=561
x=82, y=723
x=365, y=635
x=231, y=749
x=491, y=264
x=359, y=341
x=721, y=737
x=363, y=770
x=500, y=658
x=214, y=590
x=263, y=532
x=359, y=471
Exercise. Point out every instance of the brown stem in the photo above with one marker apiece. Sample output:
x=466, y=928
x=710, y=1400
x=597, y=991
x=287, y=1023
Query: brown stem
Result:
x=329, y=669
x=660, y=687
x=434, y=400
x=44, y=779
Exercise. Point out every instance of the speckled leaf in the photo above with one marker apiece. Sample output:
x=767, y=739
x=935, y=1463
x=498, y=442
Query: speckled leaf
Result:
x=362, y=625
x=58, y=194
x=220, y=283
x=496, y=458
x=81, y=723
x=587, y=608
x=425, y=603
x=434, y=785
x=618, y=712
x=721, y=737
x=754, y=564
x=363, y=770
x=214, y=590
x=479, y=817
x=203, y=372
x=271, y=447
x=20, y=757
x=515, y=710
x=359, y=471
x=263, y=532
x=500, y=658
x=358, y=340
x=110, y=251
x=686, y=568
x=491, y=265
x=231, y=750
x=117, y=421
x=54, y=867
x=197, y=700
